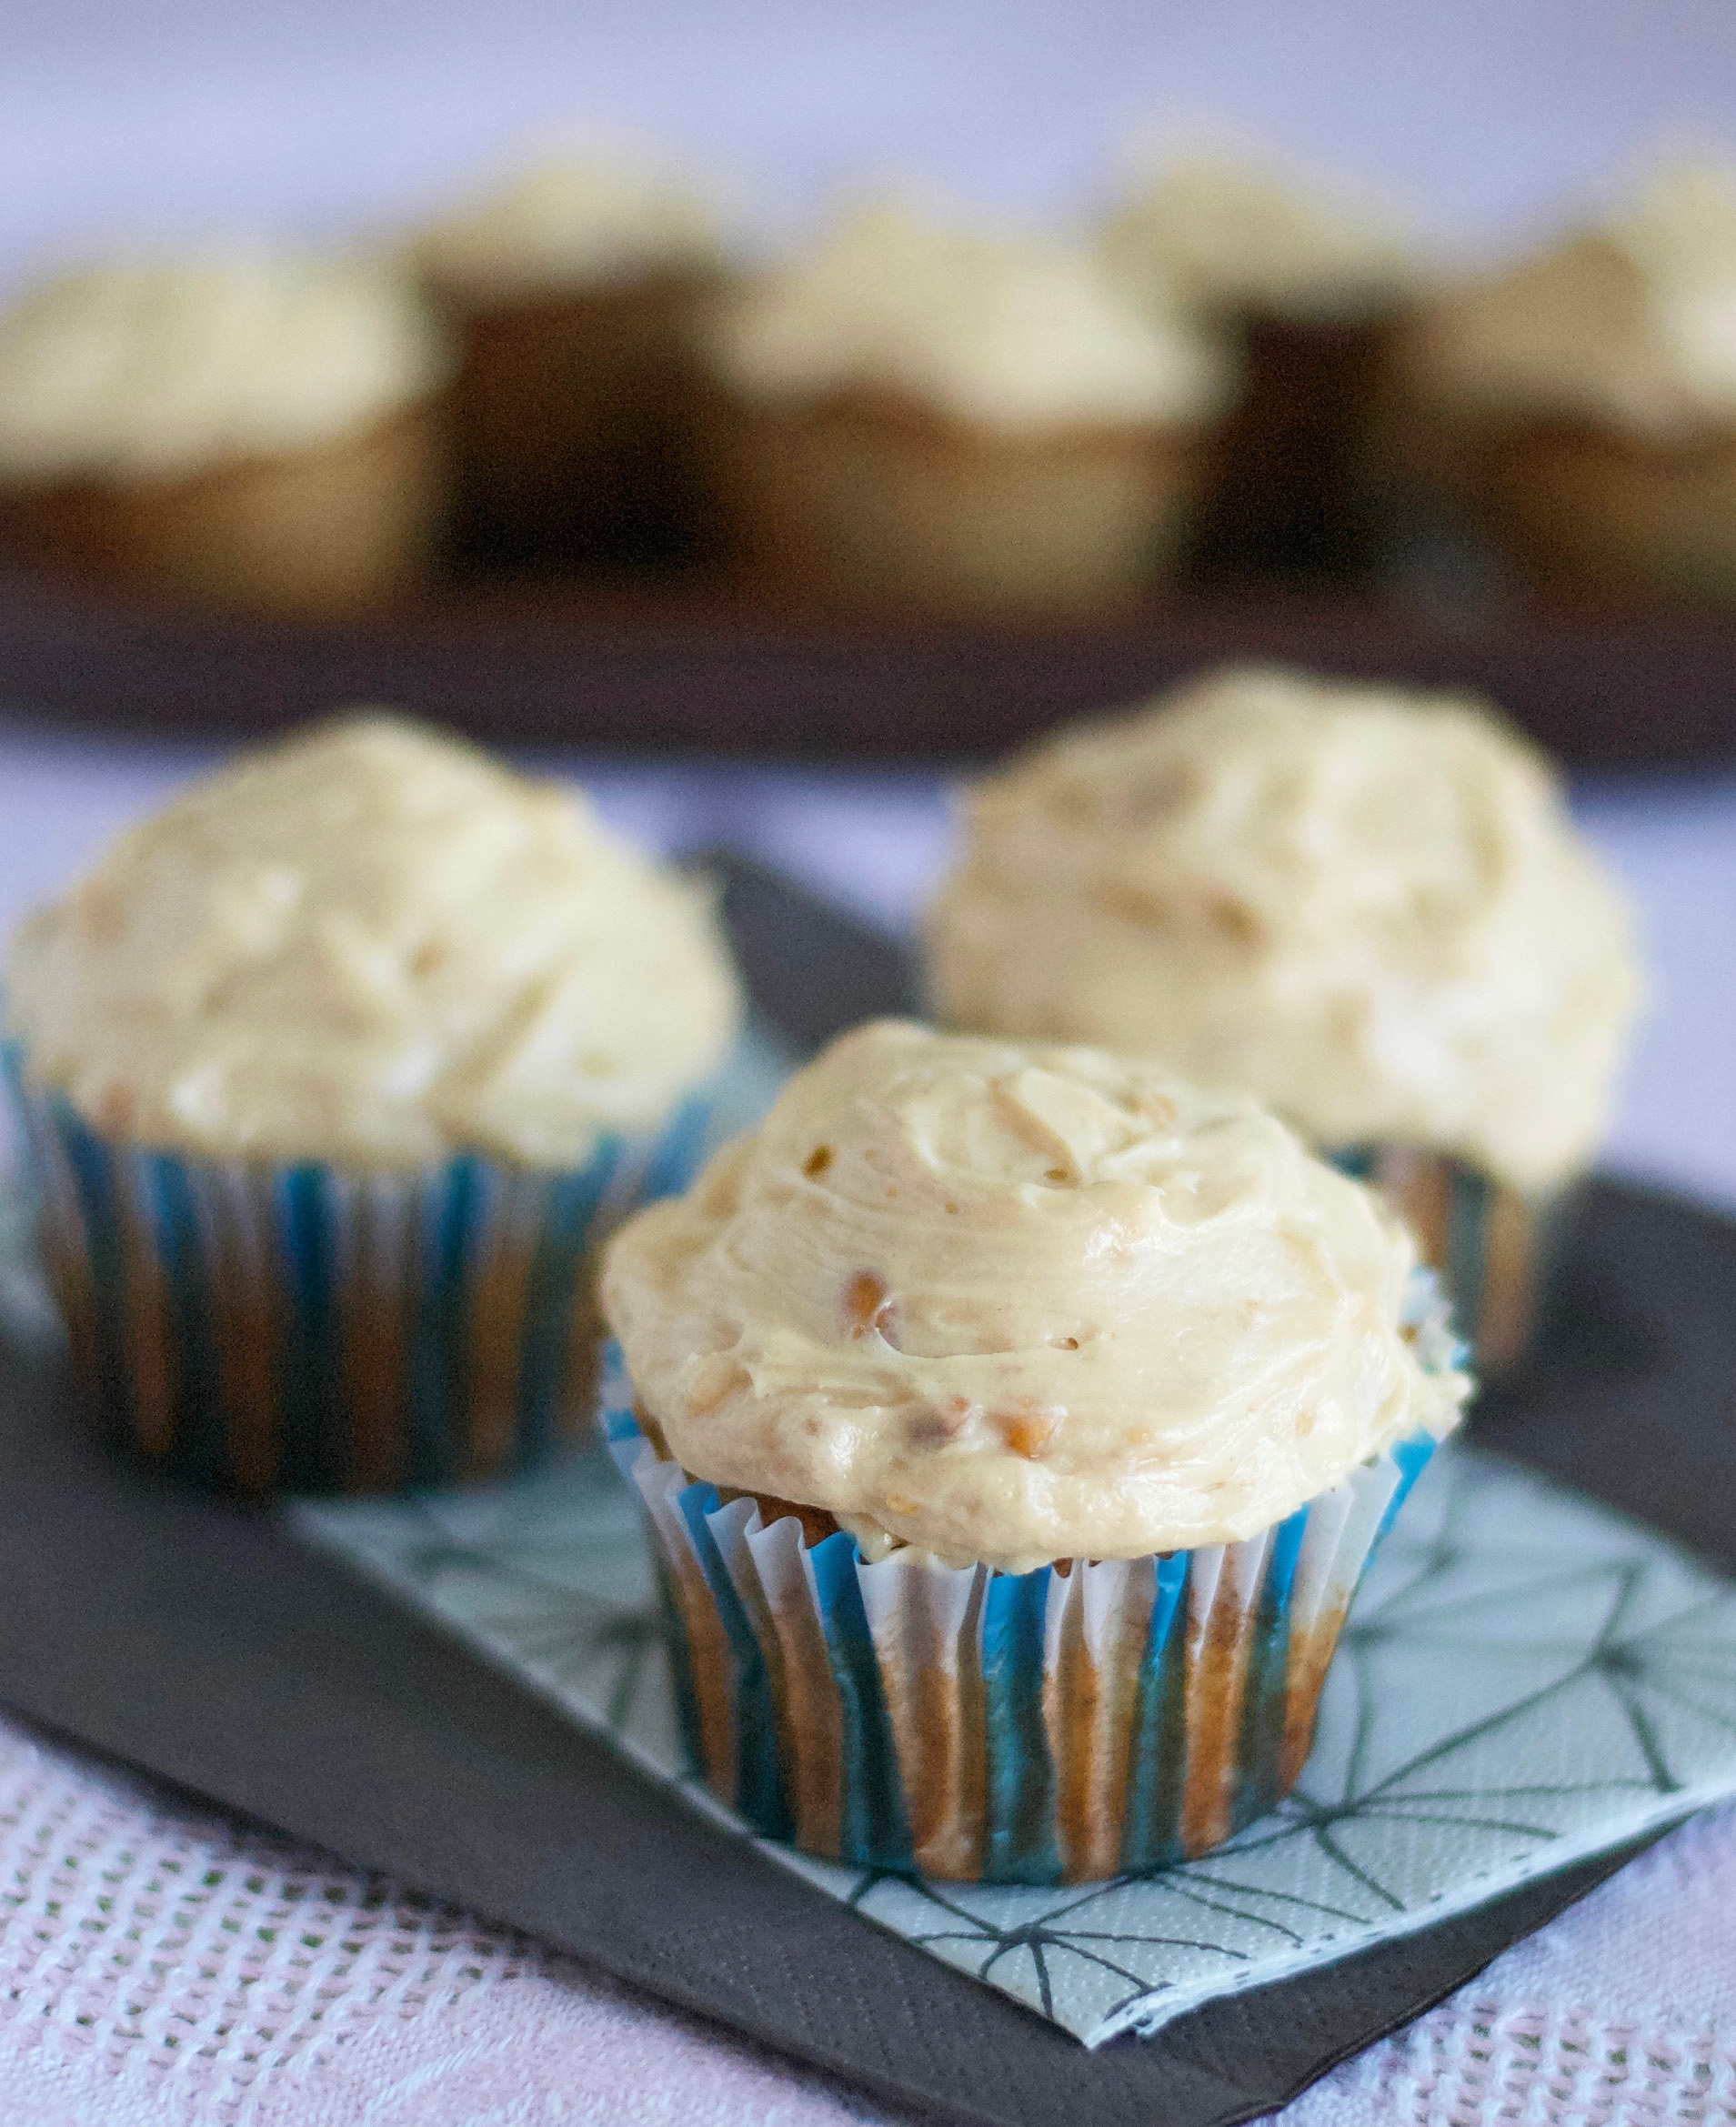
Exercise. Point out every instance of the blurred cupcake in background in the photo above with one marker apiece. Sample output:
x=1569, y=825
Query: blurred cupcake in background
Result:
x=573, y=285
x=929, y=416
x=1304, y=279
x=1013, y=1425
x=332, y=1074
x=243, y=429
x=1366, y=906
x=1580, y=406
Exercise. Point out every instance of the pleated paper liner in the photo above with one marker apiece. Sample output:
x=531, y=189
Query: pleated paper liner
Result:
x=257, y=1328
x=1491, y=1244
x=1052, y=1727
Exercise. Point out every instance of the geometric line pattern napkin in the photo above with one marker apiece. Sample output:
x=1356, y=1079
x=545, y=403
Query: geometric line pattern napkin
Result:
x=1526, y=1679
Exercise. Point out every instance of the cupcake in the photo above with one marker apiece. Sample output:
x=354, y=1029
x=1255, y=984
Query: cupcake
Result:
x=573, y=286
x=1365, y=905
x=332, y=1074
x=1305, y=280
x=934, y=417
x=1012, y=1425
x=1579, y=407
x=242, y=430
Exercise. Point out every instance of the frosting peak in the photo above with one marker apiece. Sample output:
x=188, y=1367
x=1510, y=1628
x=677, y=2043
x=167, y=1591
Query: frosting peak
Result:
x=1016, y=331
x=375, y=946
x=1369, y=908
x=157, y=370
x=1225, y=230
x=1018, y=1304
x=1629, y=319
x=574, y=219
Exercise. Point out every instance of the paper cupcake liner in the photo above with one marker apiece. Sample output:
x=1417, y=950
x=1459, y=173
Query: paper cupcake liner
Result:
x=257, y=1328
x=1493, y=1246
x=1053, y=1727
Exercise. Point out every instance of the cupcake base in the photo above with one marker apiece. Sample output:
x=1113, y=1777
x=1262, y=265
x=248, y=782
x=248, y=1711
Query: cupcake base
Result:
x=1587, y=514
x=331, y=529
x=1490, y=1245
x=254, y=1329
x=575, y=418
x=1053, y=1727
x=870, y=502
x=1288, y=492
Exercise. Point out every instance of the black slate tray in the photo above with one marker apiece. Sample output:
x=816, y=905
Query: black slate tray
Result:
x=196, y=1642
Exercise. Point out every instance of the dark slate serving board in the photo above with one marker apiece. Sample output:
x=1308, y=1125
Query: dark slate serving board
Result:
x=195, y=1640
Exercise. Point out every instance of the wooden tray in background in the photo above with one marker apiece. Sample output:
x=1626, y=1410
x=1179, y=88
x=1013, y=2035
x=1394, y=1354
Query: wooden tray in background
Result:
x=691, y=668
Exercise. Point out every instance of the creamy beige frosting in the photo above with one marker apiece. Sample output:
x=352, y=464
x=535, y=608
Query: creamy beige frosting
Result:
x=1629, y=321
x=1227, y=230
x=372, y=945
x=1006, y=330
x=1018, y=1304
x=573, y=219
x=160, y=369
x=1366, y=906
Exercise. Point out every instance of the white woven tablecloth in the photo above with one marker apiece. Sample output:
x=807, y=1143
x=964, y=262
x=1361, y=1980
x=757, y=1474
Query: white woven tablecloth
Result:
x=158, y=1964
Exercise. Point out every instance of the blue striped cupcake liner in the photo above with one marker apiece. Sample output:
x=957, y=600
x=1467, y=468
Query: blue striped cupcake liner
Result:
x=1060, y=1726
x=1493, y=1246
x=257, y=1327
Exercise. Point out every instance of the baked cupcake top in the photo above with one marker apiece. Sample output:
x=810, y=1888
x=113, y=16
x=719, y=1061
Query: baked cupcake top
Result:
x=1017, y=1304
x=1229, y=232
x=162, y=369
x=1000, y=330
x=1630, y=322
x=584, y=218
x=1366, y=906
x=374, y=945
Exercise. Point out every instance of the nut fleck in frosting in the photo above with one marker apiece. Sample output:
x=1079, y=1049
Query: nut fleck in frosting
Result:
x=1015, y=1304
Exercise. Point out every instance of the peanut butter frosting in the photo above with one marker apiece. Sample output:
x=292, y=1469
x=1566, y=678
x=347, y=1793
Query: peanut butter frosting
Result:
x=1629, y=321
x=580, y=218
x=373, y=946
x=156, y=370
x=1227, y=231
x=1365, y=905
x=1017, y=1304
x=1005, y=330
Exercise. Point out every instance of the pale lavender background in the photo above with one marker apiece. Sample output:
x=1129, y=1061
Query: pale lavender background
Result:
x=118, y=116
x=129, y=121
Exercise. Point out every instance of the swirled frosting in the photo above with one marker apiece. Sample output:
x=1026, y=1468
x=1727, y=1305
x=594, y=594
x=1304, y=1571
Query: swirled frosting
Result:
x=372, y=945
x=1368, y=907
x=580, y=218
x=1629, y=321
x=1227, y=231
x=1014, y=331
x=1017, y=1304
x=158, y=370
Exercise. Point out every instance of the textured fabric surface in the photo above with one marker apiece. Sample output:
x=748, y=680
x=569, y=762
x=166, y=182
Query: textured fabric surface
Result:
x=158, y=1964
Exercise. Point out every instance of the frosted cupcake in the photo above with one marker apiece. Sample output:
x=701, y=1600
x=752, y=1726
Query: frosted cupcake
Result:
x=1582, y=405
x=1306, y=279
x=926, y=416
x=574, y=284
x=232, y=430
x=332, y=1072
x=1013, y=1425
x=1368, y=907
